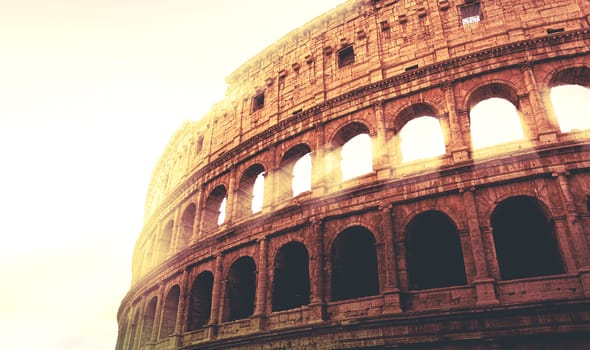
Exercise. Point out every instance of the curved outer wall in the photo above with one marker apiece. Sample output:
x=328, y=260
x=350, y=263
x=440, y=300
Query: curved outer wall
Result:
x=408, y=59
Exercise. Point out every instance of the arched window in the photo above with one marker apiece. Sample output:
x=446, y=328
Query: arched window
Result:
x=291, y=277
x=148, y=321
x=170, y=310
x=494, y=116
x=294, y=175
x=433, y=252
x=166, y=240
x=199, y=310
x=354, y=264
x=524, y=239
x=251, y=191
x=214, y=211
x=570, y=97
x=188, y=223
x=354, y=145
x=420, y=138
x=240, y=289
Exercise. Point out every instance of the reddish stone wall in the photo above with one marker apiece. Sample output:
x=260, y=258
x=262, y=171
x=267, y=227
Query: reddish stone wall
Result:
x=409, y=57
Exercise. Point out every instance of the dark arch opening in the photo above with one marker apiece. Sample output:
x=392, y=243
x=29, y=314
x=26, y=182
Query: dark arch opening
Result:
x=291, y=277
x=524, y=239
x=354, y=265
x=188, y=223
x=148, y=321
x=213, y=209
x=166, y=240
x=240, y=289
x=199, y=310
x=170, y=310
x=433, y=252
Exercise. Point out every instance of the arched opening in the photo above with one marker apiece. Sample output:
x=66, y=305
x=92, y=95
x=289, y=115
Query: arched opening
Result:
x=251, y=191
x=353, y=144
x=433, y=252
x=494, y=116
x=166, y=240
x=214, y=211
x=170, y=310
x=199, y=310
x=294, y=175
x=570, y=98
x=148, y=321
x=291, y=277
x=354, y=264
x=421, y=138
x=524, y=239
x=187, y=224
x=240, y=289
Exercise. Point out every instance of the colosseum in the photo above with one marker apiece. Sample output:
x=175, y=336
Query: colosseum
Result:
x=395, y=174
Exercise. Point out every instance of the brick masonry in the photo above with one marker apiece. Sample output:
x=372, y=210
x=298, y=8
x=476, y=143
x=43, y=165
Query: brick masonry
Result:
x=410, y=58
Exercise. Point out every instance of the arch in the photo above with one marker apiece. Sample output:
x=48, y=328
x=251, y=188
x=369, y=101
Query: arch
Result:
x=352, y=143
x=187, y=224
x=294, y=175
x=199, y=311
x=166, y=240
x=420, y=138
x=434, y=258
x=240, y=289
x=148, y=321
x=251, y=191
x=524, y=239
x=170, y=311
x=570, y=98
x=291, y=285
x=494, y=115
x=354, y=264
x=214, y=210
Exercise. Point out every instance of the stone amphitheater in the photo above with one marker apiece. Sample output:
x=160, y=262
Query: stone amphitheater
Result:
x=346, y=195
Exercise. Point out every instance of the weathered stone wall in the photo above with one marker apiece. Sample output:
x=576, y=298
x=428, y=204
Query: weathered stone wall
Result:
x=410, y=59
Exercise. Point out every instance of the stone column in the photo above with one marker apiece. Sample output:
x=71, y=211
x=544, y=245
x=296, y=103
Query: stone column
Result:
x=232, y=194
x=381, y=158
x=180, y=313
x=317, y=299
x=391, y=293
x=176, y=232
x=484, y=285
x=268, y=202
x=261, y=284
x=198, y=215
x=576, y=232
x=158, y=316
x=457, y=145
x=544, y=130
x=318, y=178
x=215, y=317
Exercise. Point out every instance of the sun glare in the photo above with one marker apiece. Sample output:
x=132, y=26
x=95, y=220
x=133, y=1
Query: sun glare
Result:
x=357, y=158
x=421, y=138
x=221, y=217
x=494, y=121
x=302, y=175
x=258, y=193
x=571, y=104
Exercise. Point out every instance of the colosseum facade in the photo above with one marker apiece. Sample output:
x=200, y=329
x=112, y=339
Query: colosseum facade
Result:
x=473, y=244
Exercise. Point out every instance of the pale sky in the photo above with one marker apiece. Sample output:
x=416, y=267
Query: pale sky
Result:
x=90, y=93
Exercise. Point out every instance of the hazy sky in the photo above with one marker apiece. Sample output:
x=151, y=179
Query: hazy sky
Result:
x=90, y=93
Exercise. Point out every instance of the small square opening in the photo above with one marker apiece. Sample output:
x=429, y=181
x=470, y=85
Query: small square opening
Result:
x=345, y=57
x=470, y=13
x=258, y=102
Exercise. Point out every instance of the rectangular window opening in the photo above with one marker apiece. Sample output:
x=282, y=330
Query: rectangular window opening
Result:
x=258, y=102
x=470, y=13
x=345, y=57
